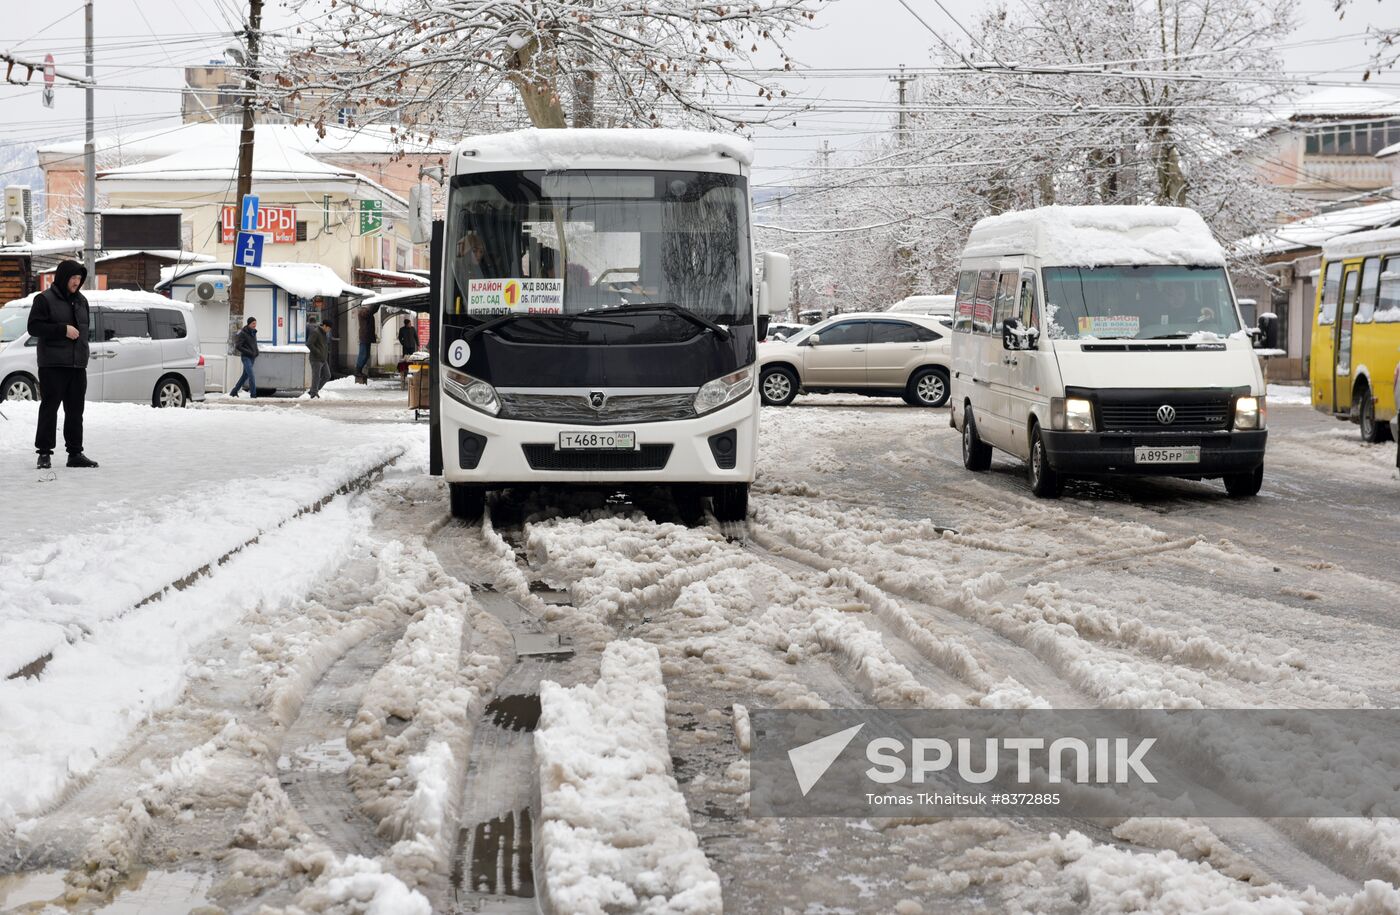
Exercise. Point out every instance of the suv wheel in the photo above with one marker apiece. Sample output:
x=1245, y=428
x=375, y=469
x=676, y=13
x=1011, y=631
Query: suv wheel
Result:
x=170, y=392
x=777, y=386
x=927, y=388
x=19, y=387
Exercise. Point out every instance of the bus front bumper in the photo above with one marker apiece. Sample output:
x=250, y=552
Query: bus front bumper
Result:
x=1094, y=453
x=490, y=450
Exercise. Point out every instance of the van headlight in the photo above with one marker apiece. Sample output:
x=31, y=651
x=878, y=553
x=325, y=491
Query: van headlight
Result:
x=473, y=392
x=1071, y=414
x=1250, y=413
x=715, y=394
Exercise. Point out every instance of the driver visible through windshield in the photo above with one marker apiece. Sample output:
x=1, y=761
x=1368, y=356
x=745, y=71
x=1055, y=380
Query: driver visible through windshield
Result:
x=1138, y=303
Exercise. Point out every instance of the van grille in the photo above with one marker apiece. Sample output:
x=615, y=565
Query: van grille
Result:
x=547, y=457
x=1200, y=415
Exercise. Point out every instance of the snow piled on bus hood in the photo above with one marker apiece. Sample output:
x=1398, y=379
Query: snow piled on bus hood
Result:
x=1099, y=236
x=564, y=148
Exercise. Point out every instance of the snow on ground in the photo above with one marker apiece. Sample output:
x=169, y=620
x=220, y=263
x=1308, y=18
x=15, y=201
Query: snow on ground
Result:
x=614, y=829
x=177, y=492
x=177, y=489
x=1290, y=394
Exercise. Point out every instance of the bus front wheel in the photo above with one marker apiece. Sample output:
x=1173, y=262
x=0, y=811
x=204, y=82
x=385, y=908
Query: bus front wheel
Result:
x=731, y=502
x=468, y=501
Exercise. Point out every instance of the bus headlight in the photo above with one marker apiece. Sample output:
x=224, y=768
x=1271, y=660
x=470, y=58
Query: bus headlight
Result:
x=715, y=394
x=473, y=392
x=1071, y=414
x=1250, y=413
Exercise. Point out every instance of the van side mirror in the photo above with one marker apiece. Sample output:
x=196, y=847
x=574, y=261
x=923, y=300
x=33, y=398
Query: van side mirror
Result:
x=1012, y=337
x=775, y=291
x=1266, y=336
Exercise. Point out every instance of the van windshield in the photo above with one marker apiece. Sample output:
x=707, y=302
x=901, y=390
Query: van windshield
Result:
x=13, y=320
x=1138, y=303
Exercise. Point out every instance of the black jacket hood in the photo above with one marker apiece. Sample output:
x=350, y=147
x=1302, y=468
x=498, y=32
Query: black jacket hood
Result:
x=65, y=271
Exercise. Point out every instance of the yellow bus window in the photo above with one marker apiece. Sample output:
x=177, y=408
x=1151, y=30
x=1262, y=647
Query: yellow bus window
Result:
x=1388, y=306
x=1370, y=280
x=1331, y=285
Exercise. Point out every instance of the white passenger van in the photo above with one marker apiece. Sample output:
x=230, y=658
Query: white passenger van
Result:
x=1105, y=340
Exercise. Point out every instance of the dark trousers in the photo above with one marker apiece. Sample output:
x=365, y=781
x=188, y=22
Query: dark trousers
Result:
x=320, y=374
x=68, y=388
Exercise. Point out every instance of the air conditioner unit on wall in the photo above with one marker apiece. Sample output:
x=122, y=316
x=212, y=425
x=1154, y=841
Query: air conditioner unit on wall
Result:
x=210, y=289
x=17, y=222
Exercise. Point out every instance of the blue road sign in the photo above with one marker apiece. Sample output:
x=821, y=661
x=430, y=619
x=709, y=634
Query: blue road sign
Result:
x=248, y=251
x=250, y=214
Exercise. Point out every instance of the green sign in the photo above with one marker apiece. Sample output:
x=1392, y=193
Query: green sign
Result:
x=371, y=216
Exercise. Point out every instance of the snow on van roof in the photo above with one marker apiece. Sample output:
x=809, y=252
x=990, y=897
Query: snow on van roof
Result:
x=120, y=300
x=560, y=148
x=1360, y=244
x=1099, y=236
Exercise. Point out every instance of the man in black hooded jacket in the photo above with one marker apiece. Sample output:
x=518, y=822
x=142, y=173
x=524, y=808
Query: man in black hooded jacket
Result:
x=59, y=321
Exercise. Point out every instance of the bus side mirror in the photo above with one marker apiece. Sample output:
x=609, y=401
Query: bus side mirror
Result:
x=764, y=322
x=1267, y=338
x=775, y=292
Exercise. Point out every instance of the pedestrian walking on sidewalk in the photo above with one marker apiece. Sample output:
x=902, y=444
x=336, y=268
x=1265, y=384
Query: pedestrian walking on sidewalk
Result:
x=408, y=341
x=368, y=337
x=319, y=343
x=59, y=321
x=245, y=344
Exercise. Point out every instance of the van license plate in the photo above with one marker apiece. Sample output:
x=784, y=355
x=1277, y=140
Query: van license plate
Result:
x=1182, y=454
x=597, y=441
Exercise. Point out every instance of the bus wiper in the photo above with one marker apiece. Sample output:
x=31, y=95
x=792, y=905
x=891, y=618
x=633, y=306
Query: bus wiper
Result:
x=644, y=307
x=507, y=318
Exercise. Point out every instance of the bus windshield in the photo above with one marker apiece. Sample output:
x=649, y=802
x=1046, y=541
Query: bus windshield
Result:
x=560, y=244
x=1138, y=303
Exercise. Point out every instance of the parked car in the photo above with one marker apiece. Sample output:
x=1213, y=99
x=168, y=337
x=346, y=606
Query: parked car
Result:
x=876, y=354
x=144, y=349
x=783, y=331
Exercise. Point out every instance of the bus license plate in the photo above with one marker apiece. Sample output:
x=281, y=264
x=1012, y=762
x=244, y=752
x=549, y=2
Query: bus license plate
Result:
x=1180, y=454
x=597, y=441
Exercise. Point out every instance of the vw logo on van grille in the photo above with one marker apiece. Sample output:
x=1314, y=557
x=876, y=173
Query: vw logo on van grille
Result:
x=1166, y=414
x=597, y=399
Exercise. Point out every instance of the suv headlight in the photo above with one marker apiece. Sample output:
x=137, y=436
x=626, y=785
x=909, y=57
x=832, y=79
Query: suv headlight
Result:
x=1071, y=414
x=1250, y=413
x=715, y=394
x=473, y=392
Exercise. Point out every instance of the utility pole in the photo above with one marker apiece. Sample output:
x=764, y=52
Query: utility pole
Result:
x=903, y=81
x=89, y=165
x=245, y=145
x=826, y=154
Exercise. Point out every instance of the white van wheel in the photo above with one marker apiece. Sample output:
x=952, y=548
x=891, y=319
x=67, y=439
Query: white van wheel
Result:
x=1045, y=482
x=170, y=392
x=977, y=454
x=20, y=387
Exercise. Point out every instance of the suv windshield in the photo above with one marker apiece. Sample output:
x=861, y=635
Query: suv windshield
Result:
x=557, y=244
x=13, y=320
x=1138, y=303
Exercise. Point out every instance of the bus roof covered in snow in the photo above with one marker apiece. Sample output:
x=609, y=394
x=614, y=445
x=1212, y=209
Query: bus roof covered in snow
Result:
x=1362, y=244
x=1099, y=236
x=535, y=148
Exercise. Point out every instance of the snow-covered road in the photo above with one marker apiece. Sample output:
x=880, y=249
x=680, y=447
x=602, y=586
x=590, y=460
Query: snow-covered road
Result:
x=356, y=735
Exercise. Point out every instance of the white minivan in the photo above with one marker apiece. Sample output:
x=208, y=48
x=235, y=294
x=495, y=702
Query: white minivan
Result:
x=143, y=348
x=1105, y=340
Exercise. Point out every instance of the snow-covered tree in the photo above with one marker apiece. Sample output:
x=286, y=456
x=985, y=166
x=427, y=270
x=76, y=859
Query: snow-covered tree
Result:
x=1074, y=102
x=569, y=62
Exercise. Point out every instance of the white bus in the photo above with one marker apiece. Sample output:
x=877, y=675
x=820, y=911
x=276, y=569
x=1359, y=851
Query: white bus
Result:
x=599, y=315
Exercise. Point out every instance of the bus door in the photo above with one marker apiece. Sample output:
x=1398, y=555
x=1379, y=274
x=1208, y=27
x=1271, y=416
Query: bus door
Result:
x=1346, y=316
